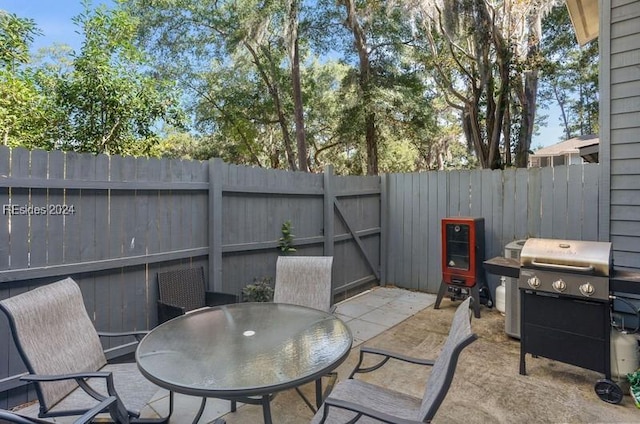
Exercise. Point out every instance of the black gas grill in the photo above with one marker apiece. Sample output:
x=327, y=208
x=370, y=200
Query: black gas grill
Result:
x=565, y=306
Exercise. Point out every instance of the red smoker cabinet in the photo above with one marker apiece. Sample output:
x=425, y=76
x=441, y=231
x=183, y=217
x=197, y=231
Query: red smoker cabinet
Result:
x=462, y=257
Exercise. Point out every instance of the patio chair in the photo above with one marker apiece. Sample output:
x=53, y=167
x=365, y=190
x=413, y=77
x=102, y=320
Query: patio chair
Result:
x=306, y=281
x=61, y=349
x=15, y=417
x=183, y=290
x=356, y=400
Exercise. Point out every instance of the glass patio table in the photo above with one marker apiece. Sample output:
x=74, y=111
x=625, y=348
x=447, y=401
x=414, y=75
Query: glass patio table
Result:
x=244, y=352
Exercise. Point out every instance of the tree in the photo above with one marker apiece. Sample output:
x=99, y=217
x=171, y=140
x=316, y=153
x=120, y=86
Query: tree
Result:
x=293, y=48
x=111, y=106
x=569, y=76
x=20, y=101
x=477, y=47
x=248, y=37
x=98, y=100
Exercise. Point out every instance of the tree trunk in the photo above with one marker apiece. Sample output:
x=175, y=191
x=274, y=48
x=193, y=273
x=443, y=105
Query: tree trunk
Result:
x=530, y=95
x=301, y=140
x=298, y=107
x=272, y=86
x=371, y=138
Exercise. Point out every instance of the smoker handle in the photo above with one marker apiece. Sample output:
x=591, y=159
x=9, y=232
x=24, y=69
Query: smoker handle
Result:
x=563, y=267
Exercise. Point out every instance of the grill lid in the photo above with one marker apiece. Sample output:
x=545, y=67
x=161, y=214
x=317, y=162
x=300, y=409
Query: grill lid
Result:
x=592, y=257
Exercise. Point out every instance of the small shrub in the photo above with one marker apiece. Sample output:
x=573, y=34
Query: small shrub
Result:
x=260, y=291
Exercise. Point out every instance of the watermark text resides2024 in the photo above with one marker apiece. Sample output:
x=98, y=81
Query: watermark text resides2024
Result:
x=53, y=209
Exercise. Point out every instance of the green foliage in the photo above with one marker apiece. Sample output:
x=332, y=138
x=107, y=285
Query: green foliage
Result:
x=228, y=69
x=569, y=76
x=15, y=36
x=101, y=101
x=285, y=243
x=260, y=290
x=21, y=105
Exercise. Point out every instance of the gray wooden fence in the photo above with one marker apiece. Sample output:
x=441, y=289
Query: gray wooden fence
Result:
x=112, y=223
x=560, y=202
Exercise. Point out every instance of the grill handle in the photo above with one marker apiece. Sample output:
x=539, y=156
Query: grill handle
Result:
x=563, y=267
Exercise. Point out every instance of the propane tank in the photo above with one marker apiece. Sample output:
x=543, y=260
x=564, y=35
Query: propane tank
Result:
x=501, y=295
x=624, y=353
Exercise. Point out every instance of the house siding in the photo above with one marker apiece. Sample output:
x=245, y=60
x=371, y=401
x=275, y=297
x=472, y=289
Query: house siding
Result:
x=620, y=114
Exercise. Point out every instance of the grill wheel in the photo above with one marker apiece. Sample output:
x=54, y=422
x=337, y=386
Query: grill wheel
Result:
x=608, y=391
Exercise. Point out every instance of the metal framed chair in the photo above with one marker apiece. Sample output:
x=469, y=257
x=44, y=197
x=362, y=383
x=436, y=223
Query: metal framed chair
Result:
x=61, y=349
x=105, y=406
x=358, y=401
x=306, y=281
x=183, y=290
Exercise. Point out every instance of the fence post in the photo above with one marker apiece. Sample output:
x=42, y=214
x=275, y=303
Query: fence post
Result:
x=215, y=223
x=329, y=214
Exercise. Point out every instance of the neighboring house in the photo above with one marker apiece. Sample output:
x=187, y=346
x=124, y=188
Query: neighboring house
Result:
x=569, y=152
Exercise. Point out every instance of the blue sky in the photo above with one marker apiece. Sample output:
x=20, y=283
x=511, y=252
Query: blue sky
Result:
x=53, y=17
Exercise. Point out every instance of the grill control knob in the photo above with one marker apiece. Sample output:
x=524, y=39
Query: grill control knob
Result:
x=534, y=282
x=587, y=289
x=559, y=285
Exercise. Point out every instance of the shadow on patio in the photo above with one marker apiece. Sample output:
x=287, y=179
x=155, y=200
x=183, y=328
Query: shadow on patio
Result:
x=486, y=388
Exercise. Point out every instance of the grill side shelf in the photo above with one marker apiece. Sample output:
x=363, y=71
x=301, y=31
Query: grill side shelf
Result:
x=508, y=267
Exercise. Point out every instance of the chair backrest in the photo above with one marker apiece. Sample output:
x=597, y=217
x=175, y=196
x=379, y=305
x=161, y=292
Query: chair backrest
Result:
x=54, y=335
x=304, y=280
x=183, y=287
x=460, y=336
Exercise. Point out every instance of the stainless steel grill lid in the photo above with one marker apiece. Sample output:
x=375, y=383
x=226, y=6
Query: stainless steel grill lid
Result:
x=591, y=257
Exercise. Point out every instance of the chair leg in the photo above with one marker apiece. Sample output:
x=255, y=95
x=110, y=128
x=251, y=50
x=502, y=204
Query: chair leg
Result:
x=333, y=377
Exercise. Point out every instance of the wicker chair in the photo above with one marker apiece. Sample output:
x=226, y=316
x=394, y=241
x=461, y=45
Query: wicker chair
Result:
x=306, y=281
x=61, y=349
x=104, y=406
x=183, y=290
x=356, y=400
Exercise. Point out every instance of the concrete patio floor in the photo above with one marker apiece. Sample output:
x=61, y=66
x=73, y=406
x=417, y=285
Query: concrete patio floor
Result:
x=486, y=388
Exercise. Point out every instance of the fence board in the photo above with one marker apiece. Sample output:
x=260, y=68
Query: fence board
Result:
x=55, y=223
x=521, y=203
x=509, y=203
x=38, y=223
x=5, y=247
x=19, y=239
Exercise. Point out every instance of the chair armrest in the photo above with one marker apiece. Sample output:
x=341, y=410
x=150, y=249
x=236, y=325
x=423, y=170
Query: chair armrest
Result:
x=111, y=401
x=138, y=335
x=363, y=410
x=386, y=355
x=107, y=405
x=59, y=377
x=80, y=378
x=219, y=298
x=167, y=311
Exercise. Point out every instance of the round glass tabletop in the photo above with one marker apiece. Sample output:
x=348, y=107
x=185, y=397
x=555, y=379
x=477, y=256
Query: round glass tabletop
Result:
x=243, y=349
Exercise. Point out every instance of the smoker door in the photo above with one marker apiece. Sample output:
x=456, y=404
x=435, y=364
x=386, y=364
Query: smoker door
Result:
x=565, y=329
